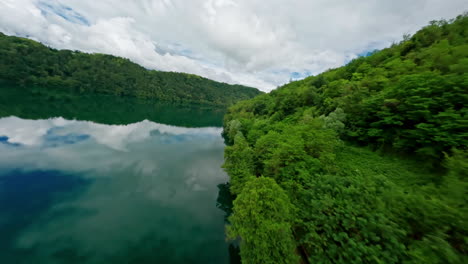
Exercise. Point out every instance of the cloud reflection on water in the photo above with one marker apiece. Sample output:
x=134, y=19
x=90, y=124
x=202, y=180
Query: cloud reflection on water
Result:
x=152, y=194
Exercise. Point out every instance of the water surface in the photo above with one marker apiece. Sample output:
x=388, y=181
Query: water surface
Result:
x=38, y=103
x=82, y=192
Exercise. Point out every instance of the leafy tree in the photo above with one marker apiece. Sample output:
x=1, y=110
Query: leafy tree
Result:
x=239, y=163
x=262, y=220
x=335, y=120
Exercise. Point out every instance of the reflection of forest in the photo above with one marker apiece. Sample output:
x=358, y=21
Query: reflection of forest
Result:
x=106, y=109
x=224, y=202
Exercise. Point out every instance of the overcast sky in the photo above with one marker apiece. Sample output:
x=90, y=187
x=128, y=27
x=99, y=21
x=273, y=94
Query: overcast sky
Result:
x=261, y=43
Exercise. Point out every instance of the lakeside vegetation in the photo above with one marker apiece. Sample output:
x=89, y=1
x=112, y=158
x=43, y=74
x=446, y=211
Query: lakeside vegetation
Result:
x=31, y=64
x=366, y=163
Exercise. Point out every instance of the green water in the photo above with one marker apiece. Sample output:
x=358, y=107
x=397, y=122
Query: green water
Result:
x=115, y=189
x=105, y=109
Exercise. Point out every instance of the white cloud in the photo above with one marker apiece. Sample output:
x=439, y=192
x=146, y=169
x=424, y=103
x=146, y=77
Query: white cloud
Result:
x=245, y=41
x=34, y=132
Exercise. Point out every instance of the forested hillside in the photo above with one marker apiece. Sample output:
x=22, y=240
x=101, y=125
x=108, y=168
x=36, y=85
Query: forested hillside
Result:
x=33, y=65
x=366, y=163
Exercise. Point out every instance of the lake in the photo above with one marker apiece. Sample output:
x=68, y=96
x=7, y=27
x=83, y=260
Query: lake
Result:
x=83, y=192
x=105, y=109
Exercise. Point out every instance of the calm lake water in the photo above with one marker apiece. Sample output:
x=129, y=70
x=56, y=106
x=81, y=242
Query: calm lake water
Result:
x=82, y=192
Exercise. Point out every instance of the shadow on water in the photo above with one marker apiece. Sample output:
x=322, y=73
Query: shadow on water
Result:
x=225, y=203
x=104, y=109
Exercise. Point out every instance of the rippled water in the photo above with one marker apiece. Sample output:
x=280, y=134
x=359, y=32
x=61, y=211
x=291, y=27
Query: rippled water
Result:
x=82, y=192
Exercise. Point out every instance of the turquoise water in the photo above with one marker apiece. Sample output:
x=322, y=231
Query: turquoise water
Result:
x=82, y=192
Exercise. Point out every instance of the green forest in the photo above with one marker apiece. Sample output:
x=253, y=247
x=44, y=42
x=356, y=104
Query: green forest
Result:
x=366, y=163
x=43, y=70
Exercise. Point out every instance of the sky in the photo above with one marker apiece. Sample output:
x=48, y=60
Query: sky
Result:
x=257, y=43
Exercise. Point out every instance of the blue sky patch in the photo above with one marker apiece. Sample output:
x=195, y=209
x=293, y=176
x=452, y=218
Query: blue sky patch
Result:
x=299, y=75
x=366, y=53
x=67, y=13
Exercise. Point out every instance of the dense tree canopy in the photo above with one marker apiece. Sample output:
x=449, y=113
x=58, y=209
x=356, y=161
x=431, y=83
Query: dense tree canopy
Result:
x=372, y=156
x=33, y=65
x=264, y=223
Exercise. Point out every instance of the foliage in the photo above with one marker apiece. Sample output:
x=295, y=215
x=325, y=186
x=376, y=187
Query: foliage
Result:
x=371, y=155
x=261, y=218
x=30, y=64
x=239, y=163
x=410, y=97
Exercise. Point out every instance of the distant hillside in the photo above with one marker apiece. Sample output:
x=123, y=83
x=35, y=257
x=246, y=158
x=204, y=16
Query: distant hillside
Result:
x=31, y=64
x=366, y=163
